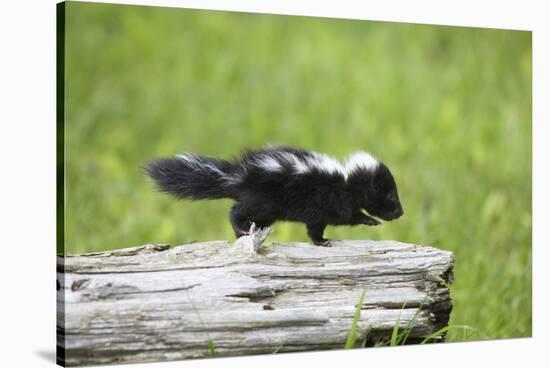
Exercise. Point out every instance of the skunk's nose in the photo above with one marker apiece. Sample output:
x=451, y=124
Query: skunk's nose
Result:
x=398, y=212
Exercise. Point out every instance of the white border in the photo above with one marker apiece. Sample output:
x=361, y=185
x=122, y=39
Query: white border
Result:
x=27, y=151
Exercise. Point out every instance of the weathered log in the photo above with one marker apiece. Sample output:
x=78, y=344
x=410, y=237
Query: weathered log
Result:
x=154, y=303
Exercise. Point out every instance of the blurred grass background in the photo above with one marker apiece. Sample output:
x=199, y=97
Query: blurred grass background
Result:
x=447, y=108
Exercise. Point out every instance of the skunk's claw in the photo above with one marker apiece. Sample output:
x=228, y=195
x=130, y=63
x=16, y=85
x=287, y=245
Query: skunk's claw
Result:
x=323, y=243
x=372, y=221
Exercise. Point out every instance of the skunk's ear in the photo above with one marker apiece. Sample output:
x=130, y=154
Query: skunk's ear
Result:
x=383, y=179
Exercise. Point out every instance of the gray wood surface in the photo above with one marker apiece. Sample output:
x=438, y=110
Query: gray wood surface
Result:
x=155, y=302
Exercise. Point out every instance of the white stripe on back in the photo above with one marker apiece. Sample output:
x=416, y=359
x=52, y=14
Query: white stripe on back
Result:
x=275, y=161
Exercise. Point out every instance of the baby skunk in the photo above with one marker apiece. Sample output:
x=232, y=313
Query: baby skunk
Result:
x=283, y=183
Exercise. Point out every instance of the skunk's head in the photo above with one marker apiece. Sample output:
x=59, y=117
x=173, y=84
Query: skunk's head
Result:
x=381, y=197
x=375, y=191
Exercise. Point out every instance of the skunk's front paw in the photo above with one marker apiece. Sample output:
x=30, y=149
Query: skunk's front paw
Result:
x=322, y=243
x=372, y=221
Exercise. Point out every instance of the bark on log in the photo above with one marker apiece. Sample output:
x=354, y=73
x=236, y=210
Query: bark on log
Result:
x=155, y=303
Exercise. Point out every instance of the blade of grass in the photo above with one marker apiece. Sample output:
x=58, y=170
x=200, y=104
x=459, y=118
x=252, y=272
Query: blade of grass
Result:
x=211, y=348
x=350, y=343
x=402, y=338
x=445, y=329
x=395, y=332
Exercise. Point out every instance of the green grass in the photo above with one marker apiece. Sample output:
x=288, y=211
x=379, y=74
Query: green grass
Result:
x=459, y=332
x=462, y=333
x=352, y=336
x=447, y=108
x=211, y=348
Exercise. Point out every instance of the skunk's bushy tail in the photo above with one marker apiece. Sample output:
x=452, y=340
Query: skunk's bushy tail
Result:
x=194, y=177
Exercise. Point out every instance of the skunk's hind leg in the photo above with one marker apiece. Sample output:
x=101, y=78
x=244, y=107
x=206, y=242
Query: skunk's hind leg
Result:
x=315, y=233
x=243, y=216
x=239, y=220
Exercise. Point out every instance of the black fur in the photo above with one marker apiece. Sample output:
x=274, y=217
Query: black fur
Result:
x=194, y=180
x=282, y=190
